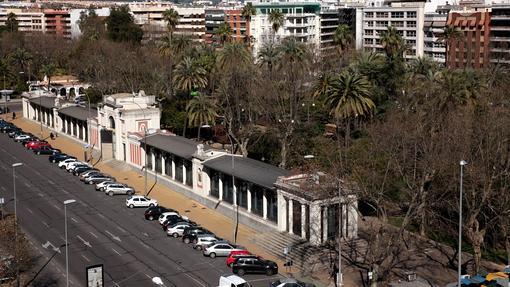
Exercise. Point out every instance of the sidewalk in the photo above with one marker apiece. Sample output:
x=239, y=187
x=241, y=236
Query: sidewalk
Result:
x=218, y=223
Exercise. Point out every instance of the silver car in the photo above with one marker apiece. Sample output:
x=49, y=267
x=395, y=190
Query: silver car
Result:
x=204, y=240
x=118, y=188
x=221, y=249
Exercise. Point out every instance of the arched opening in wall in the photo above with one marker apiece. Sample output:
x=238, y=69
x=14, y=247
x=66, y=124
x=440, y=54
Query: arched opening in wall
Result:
x=72, y=93
x=111, y=122
x=53, y=90
x=63, y=92
x=81, y=91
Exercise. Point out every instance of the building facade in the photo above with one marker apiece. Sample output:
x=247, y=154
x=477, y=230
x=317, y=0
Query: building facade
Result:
x=433, y=28
x=473, y=49
x=500, y=34
x=406, y=17
x=57, y=22
x=214, y=17
x=301, y=20
x=29, y=20
x=240, y=27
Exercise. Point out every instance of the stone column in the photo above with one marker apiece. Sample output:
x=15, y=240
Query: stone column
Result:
x=64, y=120
x=282, y=212
x=220, y=183
x=291, y=219
x=234, y=195
x=163, y=163
x=153, y=160
x=264, y=205
x=303, y=220
x=325, y=224
x=316, y=229
x=173, y=169
x=83, y=129
x=248, y=195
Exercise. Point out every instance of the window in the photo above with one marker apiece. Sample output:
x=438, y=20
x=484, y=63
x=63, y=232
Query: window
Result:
x=370, y=23
x=397, y=14
x=378, y=41
x=397, y=23
x=381, y=15
x=411, y=14
x=369, y=41
x=411, y=33
x=411, y=24
x=381, y=24
x=369, y=32
x=369, y=14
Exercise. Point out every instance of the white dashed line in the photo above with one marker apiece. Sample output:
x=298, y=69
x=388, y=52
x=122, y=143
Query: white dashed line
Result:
x=45, y=224
x=85, y=257
x=30, y=210
x=145, y=245
x=100, y=215
x=28, y=185
x=40, y=194
x=115, y=251
x=121, y=229
x=92, y=233
x=57, y=207
x=36, y=172
x=148, y=276
x=75, y=221
x=50, y=181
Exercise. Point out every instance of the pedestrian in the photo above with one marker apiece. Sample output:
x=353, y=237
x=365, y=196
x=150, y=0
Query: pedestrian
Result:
x=52, y=136
x=13, y=115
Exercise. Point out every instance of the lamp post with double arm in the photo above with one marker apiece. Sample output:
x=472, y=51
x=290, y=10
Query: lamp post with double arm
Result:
x=69, y=201
x=14, y=165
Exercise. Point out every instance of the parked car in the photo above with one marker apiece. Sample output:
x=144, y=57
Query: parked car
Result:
x=81, y=169
x=14, y=132
x=102, y=185
x=204, y=240
x=289, y=282
x=26, y=141
x=221, y=249
x=95, y=179
x=72, y=165
x=86, y=174
x=48, y=150
x=173, y=219
x=236, y=254
x=191, y=234
x=9, y=128
x=118, y=188
x=233, y=281
x=21, y=137
x=63, y=163
x=154, y=212
x=177, y=229
x=37, y=144
x=243, y=265
x=138, y=200
x=59, y=157
x=164, y=216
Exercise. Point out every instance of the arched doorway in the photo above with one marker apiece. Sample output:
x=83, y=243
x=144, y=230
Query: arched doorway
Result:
x=81, y=91
x=63, y=92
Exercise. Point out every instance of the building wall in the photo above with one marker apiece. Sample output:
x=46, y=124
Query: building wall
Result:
x=302, y=20
x=57, y=22
x=213, y=19
x=406, y=17
x=500, y=34
x=240, y=27
x=29, y=20
x=433, y=28
x=473, y=49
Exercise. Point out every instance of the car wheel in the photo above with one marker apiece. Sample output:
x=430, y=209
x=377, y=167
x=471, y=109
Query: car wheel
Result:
x=151, y=205
x=198, y=247
x=186, y=240
x=195, y=241
x=38, y=152
x=110, y=193
x=90, y=182
x=269, y=272
x=212, y=255
x=241, y=272
x=130, y=193
x=151, y=217
x=175, y=235
x=130, y=206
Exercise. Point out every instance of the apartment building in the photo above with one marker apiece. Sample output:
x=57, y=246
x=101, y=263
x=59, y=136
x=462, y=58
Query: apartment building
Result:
x=57, y=22
x=406, y=17
x=239, y=25
x=191, y=22
x=214, y=17
x=500, y=34
x=301, y=20
x=329, y=18
x=29, y=20
x=433, y=28
x=473, y=49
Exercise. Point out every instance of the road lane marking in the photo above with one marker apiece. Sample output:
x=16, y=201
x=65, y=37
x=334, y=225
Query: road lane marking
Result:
x=36, y=172
x=27, y=184
x=3, y=188
x=100, y=215
x=148, y=276
x=121, y=229
x=85, y=257
x=83, y=241
x=145, y=245
x=40, y=194
x=92, y=233
x=115, y=251
x=51, y=181
x=30, y=210
x=57, y=207
x=113, y=236
x=75, y=221
x=45, y=224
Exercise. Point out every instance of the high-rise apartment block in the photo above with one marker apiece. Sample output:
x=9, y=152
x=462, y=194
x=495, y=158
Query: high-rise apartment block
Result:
x=49, y=21
x=433, y=29
x=500, y=34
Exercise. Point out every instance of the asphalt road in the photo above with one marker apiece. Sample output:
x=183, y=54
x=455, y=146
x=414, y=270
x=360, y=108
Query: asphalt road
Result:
x=101, y=230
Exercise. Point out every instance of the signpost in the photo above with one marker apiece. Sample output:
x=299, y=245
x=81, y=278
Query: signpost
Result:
x=95, y=275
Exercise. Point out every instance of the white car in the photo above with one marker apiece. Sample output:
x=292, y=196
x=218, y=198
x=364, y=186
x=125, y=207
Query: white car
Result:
x=165, y=215
x=70, y=166
x=140, y=201
x=177, y=229
x=63, y=163
x=102, y=185
x=204, y=240
x=118, y=188
x=19, y=138
x=89, y=173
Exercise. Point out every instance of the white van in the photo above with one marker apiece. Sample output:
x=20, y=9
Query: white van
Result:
x=233, y=281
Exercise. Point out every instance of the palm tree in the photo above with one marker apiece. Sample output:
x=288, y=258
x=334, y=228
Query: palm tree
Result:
x=224, y=32
x=181, y=44
x=49, y=70
x=422, y=66
x=11, y=23
x=172, y=19
x=189, y=75
x=343, y=36
x=392, y=42
x=201, y=110
x=4, y=70
x=234, y=55
x=21, y=57
x=277, y=19
x=450, y=34
x=349, y=96
x=268, y=55
x=247, y=12
x=322, y=84
x=293, y=53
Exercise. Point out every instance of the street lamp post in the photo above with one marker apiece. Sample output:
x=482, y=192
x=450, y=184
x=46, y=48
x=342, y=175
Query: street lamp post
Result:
x=69, y=201
x=14, y=165
x=462, y=163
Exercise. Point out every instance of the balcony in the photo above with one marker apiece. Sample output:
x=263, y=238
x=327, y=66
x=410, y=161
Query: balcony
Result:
x=500, y=39
x=500, y=28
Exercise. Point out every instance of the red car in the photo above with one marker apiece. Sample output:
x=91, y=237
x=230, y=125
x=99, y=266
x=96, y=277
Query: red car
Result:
x=37, y=144
x=236, y=254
